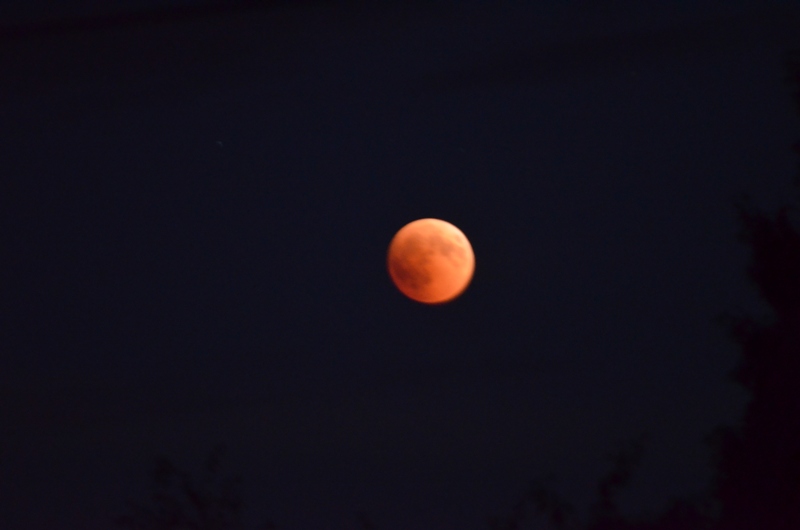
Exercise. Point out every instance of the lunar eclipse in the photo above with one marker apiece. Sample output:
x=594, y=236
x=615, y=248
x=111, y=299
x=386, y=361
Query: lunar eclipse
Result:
x=431, y=261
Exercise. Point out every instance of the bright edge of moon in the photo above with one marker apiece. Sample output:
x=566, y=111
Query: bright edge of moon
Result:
x=431, y=261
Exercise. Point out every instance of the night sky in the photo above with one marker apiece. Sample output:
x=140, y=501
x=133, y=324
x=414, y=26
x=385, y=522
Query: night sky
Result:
x=196, y=208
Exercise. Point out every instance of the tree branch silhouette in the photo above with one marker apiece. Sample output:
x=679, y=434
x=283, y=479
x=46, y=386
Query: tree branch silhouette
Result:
x=180, y=502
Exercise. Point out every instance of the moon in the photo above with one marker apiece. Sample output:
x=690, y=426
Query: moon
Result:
x=431, y=261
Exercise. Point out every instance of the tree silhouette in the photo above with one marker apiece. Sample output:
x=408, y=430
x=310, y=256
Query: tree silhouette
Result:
x=542, y=502
x=757, y=482
x=758, y=478
x=181, y=502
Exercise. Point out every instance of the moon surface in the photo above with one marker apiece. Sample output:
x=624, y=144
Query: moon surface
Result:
x=431, y=261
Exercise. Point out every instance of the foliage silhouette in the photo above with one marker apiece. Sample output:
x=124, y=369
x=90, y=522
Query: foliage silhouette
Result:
x=758, y=476
x=181, y=502
x=757, y=481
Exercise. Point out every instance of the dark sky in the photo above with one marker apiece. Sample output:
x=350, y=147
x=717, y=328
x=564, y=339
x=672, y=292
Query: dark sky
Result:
x=196, y=209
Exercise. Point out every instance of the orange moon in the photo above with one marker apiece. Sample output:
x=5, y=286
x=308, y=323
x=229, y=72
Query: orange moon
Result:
x=431, y=261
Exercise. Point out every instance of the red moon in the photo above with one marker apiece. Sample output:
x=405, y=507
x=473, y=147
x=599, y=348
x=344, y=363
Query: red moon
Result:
x=431, y=261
